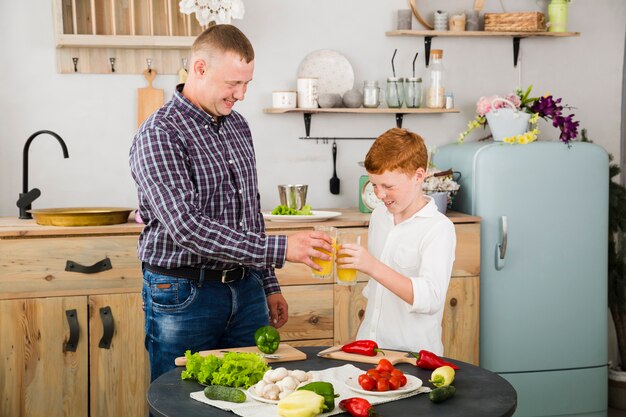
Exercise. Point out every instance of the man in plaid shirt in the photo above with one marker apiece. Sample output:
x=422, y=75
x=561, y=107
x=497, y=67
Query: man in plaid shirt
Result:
x=208, y=264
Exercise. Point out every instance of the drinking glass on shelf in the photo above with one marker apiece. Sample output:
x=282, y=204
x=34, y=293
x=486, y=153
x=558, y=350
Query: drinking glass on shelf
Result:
x=327, y=266
x=346, y=276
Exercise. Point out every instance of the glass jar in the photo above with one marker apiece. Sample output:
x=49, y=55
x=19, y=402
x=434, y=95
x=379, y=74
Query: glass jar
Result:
x=394, y=92
x=371, y=94
x=413, y=92
x=435, y=94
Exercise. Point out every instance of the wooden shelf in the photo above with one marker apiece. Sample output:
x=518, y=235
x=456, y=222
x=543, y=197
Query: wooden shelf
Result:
x=400, y=112
x=121, y=36
x=362, y=110
x=428, y=35
x=481, y=33
x=124, y=41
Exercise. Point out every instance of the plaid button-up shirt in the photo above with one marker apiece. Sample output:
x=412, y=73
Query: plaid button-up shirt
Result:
x=198, y=193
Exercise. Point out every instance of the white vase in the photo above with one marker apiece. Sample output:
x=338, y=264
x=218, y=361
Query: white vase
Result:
x=505, y=123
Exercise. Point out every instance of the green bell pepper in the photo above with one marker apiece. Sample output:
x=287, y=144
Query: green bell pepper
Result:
x=267, y=339
x=325, y=389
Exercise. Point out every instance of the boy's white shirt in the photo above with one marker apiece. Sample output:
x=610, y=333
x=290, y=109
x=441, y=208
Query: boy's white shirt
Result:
x=421, y=248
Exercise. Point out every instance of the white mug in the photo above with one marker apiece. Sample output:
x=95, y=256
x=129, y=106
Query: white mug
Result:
x=308, y=93
x=284, y=99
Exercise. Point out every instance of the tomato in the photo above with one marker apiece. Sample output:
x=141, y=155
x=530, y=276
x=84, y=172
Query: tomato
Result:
x=397, y=372
x=395, y=382
x=384, y=365
x=402, y=380
x=385, y=374
x=382, y=385
x=373, y=373
x=367, y=382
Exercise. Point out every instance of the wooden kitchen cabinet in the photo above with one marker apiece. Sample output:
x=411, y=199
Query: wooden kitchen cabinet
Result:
x=40, y=375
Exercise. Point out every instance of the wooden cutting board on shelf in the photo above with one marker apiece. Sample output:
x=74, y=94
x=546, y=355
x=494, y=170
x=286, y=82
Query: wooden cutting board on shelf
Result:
x=393, y=356
x=284, y=353
x=148, y=99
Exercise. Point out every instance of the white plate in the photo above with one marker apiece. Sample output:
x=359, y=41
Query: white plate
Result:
x=412, y=383
x=333, y=70
x=317, y=216
x=252, y=394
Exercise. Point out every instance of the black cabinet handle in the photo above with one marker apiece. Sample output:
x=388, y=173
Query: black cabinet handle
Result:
x=100, y=266
x=108, y=327
x=72, y=320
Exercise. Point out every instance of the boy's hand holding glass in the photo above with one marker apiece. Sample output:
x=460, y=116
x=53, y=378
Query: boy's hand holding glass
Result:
x=346, y=241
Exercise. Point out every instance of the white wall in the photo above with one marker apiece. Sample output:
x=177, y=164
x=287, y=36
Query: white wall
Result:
x=96, y=114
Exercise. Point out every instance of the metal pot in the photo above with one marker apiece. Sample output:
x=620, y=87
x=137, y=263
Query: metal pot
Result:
x=293, y=195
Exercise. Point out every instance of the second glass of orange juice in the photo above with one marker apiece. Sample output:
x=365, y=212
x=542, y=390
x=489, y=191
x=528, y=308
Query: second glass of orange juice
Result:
x=327, y=266
x=346, y=276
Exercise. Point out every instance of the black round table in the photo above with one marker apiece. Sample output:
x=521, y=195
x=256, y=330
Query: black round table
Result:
x=479, y=393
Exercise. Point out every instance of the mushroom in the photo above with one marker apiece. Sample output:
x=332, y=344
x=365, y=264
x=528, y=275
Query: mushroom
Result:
x=299, y=375
x=277, y=374
x=289, y=383
x=258, y=388
x=271, y=392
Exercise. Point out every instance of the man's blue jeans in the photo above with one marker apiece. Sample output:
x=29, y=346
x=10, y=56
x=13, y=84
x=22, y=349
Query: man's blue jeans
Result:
x=181, y=316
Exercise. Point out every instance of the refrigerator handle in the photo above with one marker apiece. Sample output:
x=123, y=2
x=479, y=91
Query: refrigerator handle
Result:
x=501, y=246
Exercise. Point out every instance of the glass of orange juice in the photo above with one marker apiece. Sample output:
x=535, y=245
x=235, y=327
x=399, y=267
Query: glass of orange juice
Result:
x=346, y=276
x=327, y=266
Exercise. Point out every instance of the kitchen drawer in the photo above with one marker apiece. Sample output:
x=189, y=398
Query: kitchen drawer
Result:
x=35, y=267
x=310, y=312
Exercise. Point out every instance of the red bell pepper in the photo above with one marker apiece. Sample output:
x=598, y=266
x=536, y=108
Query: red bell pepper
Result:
x=362, y=347
x=429, y=360
x=358, y=407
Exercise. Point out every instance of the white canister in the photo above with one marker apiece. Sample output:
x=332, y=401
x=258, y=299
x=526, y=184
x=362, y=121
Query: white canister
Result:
x=308, y=93
x=284, y=99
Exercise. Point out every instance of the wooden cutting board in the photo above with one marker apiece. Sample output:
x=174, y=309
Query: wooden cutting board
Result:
x=393, y=356
x=148, y=99
x=285, y=353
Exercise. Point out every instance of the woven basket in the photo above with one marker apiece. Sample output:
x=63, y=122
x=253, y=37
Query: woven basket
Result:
x=515, y=22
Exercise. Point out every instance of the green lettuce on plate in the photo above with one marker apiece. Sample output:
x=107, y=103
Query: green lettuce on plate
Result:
x=282, y=210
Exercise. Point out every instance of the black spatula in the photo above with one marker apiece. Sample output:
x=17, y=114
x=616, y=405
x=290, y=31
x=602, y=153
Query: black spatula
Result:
x=334, y=181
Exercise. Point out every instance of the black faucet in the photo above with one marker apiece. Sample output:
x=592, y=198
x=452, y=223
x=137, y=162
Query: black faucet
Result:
x=27, y=197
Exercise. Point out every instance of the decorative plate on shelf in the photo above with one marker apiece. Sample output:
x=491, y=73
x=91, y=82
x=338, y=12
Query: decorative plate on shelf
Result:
x=317, y=216
x=333, y=70
x=412, y=383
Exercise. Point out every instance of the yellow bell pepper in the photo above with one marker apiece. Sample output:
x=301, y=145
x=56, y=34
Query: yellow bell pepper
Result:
x=442, y=376
x=301, y=404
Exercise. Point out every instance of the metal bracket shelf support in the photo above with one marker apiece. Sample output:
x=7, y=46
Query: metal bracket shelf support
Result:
x=516, y=40
x=428, y=42
x=307, y=129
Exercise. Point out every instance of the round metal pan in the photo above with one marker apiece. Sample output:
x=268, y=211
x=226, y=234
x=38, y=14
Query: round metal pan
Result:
x=81, y=216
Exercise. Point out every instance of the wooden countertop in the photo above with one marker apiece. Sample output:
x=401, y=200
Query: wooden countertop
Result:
x=12, y=227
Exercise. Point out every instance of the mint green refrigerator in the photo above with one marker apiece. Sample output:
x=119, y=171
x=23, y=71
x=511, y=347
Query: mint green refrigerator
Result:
x=543, y=290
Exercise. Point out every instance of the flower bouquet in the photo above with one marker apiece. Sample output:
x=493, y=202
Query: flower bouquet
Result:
x=524, y=111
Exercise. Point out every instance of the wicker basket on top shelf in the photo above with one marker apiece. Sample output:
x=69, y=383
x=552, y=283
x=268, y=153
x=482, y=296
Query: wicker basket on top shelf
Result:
x=515, y=22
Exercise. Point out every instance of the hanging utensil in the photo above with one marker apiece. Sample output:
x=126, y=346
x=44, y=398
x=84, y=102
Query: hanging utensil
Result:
x=334, y=181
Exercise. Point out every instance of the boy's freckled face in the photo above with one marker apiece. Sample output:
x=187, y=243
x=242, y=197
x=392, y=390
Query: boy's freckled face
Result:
x=400, y=192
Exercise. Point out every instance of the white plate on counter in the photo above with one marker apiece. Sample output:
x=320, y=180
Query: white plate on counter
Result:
x=252, y=394
x=317, y=216
x=412, y=383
